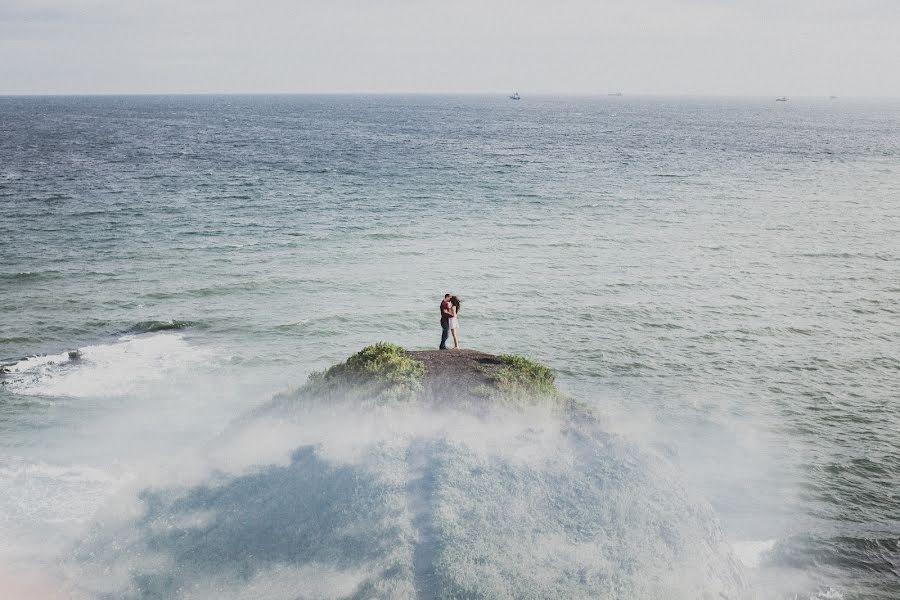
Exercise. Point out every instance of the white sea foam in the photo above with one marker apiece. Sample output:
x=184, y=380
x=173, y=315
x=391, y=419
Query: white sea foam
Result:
x=283, y=582
x=115, y=369
x=56, y=495
x=44, y=506
x=827, y=594
x=752, y=553
x=389, y=503
x=50, y=489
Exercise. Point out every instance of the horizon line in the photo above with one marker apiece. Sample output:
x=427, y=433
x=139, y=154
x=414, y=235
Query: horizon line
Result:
x=438, y=93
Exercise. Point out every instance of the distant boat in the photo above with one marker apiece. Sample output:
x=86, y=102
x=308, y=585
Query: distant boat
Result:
x=615, y=94
x=781, y=99
x=515, y=96
x=832, y=97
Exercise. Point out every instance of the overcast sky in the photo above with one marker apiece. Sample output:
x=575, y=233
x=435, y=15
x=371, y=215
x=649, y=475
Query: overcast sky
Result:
x=734, y=47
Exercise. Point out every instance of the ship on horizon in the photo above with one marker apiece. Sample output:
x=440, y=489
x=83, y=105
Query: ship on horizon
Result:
x=515, y=96
x=781, y=99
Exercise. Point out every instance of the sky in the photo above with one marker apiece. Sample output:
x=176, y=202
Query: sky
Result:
x=714, y=47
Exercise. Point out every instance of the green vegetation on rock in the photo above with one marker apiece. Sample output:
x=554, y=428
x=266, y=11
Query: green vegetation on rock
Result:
x=521, y=378
x=379, y=372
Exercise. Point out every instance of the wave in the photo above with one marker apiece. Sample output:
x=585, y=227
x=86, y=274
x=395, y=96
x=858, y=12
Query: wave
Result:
x=28, y=275
x=16, y=340
x=154, y=326
x=204, y=292
x=119, y=368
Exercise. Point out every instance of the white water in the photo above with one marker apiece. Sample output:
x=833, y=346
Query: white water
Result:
x=90, y=429
x=122, y=368
x=515, y=504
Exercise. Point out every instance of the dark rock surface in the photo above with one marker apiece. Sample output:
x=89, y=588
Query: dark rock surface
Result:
x=451, y=373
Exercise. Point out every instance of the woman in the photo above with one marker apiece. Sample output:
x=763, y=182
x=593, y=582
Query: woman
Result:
x=454, y=320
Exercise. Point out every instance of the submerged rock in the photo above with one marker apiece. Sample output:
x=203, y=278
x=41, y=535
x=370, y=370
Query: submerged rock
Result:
x=418, y=475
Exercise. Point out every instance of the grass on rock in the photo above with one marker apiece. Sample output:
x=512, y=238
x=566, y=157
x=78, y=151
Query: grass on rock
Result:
x=379, y=372
x=520, y=378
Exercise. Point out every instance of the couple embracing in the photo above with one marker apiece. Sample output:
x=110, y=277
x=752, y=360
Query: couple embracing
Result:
x=449, y=320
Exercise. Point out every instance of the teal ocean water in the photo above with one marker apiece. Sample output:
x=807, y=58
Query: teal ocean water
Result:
x=718, y=277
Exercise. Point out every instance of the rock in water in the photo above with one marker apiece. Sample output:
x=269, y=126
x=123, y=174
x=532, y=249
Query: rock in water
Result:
x=418, y=475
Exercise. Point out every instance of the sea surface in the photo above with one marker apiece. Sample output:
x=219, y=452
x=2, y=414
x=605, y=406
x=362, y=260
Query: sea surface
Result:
x=718, y=277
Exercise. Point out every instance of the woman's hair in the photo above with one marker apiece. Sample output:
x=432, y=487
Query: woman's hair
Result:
x=454, y=300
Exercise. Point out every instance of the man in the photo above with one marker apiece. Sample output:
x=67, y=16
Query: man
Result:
x=446, y=313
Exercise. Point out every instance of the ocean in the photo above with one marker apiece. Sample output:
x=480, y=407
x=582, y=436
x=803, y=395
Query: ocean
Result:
x=718, y=277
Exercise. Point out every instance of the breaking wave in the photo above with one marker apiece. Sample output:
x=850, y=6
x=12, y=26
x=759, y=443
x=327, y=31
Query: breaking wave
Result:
x=114, y=369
